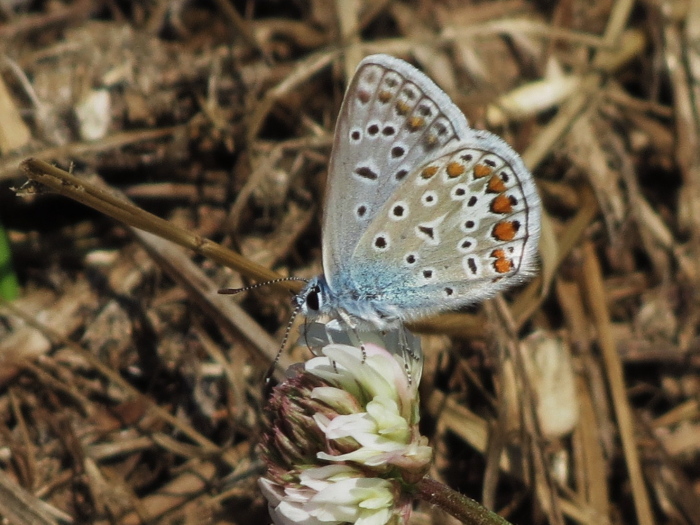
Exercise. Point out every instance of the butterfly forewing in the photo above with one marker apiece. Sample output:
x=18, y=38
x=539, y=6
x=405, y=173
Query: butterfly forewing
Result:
x=392, y=119
x=464, y=227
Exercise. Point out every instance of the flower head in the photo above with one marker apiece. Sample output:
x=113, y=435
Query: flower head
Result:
x=343, y=444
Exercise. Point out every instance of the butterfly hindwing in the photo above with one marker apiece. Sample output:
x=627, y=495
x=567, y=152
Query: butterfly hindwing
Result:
x=464, y=227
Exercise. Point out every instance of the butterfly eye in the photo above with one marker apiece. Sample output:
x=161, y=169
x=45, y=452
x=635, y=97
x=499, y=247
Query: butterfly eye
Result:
x=313, y=301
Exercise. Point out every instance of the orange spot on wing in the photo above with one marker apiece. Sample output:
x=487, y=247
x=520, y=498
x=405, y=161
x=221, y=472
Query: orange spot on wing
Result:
x=415, y=123
x=429, y=172
x=454, y=169
x=496, y=185
x=402, y=108
x=501, y=204
x=481, y=171
x=502, y=264
x=384, y=96
x=505, y=230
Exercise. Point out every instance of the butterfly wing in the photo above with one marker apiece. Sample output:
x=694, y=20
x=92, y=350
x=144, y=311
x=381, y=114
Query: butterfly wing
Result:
x=464, y=226
x=392, y=119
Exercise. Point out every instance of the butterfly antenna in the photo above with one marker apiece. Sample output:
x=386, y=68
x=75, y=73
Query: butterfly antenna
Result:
x=233, y=291
x=270, y=371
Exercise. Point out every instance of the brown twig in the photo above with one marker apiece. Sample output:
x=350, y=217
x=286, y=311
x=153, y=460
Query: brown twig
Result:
x=82, y=191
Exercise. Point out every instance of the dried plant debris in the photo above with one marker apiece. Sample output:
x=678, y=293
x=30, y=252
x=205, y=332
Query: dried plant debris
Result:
x=131, y=393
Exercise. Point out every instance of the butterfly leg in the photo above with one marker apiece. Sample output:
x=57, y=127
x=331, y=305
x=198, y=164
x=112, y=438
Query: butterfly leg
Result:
x=407, y=351
x=352, y=332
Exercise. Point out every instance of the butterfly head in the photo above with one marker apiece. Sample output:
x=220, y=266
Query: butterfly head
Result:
x=314, y=299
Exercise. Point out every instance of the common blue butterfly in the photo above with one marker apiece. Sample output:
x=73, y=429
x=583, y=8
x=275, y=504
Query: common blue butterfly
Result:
x=422, y=213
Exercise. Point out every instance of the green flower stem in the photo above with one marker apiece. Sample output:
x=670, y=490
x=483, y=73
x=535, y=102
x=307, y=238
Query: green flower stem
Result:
x=461, y=507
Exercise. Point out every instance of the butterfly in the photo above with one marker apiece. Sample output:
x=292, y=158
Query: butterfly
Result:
x=423, y=214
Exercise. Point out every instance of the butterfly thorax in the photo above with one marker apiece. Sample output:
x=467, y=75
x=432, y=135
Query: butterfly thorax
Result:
x=360, y=310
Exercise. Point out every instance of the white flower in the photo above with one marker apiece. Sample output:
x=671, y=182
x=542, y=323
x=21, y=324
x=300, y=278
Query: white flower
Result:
x=385, y=427
x=330, y=495
x=343, y=444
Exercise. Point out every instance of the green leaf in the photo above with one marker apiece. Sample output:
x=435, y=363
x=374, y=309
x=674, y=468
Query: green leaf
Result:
x=9, y=286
